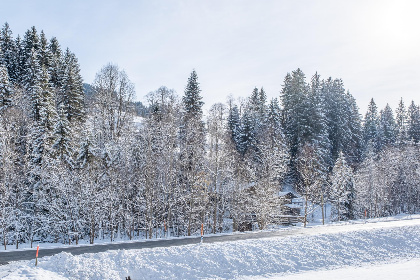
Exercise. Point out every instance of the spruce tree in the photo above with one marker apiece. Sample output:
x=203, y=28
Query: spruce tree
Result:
x=387, y=126
x=294, y=100
x=247, y=138
x=342, y=190
x=413, y=122
x=234, y=126
x=401, y=123
x=5, y=90
x=192, y=99
x=20, y=62
x=44, y=53
x=56, y=70
x=371, y=126
x=9, y=52
x=192, y=150
x=319, y=134
x=71, y=95
x=353, y=147
x=61, y=147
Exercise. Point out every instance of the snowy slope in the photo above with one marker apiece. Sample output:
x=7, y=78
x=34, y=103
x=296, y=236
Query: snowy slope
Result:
x=342, y=246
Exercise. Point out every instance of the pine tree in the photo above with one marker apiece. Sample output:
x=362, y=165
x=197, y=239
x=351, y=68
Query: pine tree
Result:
x=413, y=122
x=294, y=100
x=192, y=148
x=71, y=94
x=48, y=113
x=371, y=126
x=342, y=190
x=44, y=54
x=5, y=91
x=20, y=62
x=234, y=126
x=401, y=118
x=247, y=137
x=192, y=100
x=9, y=52
x=353, y=146
x=387, y=127
x=61, y=146
x=31, y=41
x=56, y=70
x=319, y=134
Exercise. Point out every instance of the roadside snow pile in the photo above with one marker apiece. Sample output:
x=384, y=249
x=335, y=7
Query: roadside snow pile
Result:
x=407, y=270
x=256, y=257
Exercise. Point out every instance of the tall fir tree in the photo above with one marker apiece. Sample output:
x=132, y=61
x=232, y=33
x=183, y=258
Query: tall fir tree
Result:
x=294, y=101
x=71, y=94
x=192, y=99
x=371, y=126
x=413, y=122
x=342, y=190
x=56, y=70
x=192, y=151
x=401, y=123
x=387, y=127
x=9, y=52
x=5, y=89
x=234, y=126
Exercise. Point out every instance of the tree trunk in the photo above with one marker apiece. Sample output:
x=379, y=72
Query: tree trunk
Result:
x=322, y=207
x=4, y=238
x=306, y=209
x=92, y=231
x=215, y=214
x=190, y=212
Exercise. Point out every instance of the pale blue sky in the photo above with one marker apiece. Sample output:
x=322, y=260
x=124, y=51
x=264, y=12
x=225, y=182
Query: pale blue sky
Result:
x=374, y=46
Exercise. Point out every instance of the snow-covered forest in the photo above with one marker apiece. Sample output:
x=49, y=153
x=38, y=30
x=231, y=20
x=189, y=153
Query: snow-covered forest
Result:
x=78, y=162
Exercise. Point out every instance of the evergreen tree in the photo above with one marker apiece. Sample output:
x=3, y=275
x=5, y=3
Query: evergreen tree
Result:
x=61, y=146
x=192, y=150
x=413, y=122
x=192, y=99
x=71, y=95
x=371, y=126
x=5, y=91
x=20, y=62
x=234, y=125
x=44, y=53
x=56, y=70
x=401, y=119
x=353, y=146
x=319, y=134
x=294, y=100
x=387, y=127
x=9, y=51
x=48, y=113
x=31, y=41
x=247, y=137
x=32, y=85
x=342, y=190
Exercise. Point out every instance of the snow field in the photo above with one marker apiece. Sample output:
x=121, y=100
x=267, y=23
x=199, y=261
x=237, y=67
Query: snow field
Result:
x=318, y=248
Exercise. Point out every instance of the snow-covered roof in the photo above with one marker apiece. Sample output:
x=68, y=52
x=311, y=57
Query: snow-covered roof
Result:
x=286, y=193
x=296, y=206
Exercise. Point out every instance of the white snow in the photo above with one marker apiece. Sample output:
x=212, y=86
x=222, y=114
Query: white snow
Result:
x=351, y=250
x=403, y=270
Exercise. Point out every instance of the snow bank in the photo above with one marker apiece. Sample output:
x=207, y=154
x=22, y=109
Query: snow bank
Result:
x=406, y=270
x=322, y=248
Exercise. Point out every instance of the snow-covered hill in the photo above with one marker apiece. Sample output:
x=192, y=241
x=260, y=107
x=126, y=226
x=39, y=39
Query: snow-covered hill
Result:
x=338, y=249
